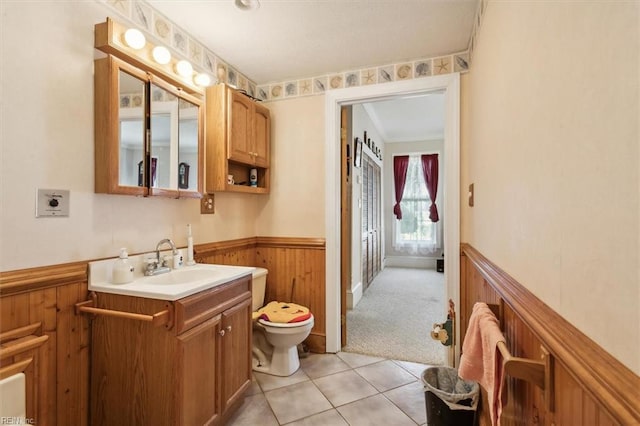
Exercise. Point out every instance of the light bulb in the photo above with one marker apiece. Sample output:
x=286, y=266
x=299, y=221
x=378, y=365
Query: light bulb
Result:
x=134, y=38
x=161, y=55
x=184, y=68
x=202, y=79
x=247, y=4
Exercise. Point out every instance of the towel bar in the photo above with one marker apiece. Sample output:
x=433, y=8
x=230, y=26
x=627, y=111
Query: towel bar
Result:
x=164, y=317
x=540, y=373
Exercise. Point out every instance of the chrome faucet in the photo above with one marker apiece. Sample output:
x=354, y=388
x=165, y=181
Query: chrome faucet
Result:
x=155, y=266
x=167, y=241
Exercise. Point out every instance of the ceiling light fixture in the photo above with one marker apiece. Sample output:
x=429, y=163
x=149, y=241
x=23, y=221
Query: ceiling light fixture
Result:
x=134, y=39
x=161, y=55
x=247, y=4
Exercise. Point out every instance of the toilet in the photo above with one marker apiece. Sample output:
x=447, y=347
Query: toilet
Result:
x=275, y=345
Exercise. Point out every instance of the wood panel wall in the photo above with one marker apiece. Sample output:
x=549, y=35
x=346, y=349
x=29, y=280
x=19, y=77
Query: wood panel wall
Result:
x=47, y=295
x=296, y=272
x=590, y=386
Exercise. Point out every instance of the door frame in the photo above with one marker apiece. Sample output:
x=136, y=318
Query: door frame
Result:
x=334, y=99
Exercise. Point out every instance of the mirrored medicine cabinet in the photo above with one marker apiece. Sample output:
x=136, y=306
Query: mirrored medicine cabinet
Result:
x=148, y=133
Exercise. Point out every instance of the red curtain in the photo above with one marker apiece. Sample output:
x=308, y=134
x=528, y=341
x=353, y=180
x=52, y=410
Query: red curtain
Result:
x=400, y=165
x=430, y=170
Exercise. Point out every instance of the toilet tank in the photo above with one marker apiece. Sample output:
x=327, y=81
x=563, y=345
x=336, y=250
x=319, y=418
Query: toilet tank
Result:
x=258, y=288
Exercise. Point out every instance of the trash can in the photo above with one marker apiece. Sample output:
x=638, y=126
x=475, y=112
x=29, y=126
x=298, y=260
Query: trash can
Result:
x=450, y=400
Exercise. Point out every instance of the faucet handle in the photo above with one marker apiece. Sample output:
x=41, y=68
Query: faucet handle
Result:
x=150, y=264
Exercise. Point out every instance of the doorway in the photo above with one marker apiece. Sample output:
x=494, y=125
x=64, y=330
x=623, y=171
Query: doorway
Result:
x=334, y=100
x=406, y=293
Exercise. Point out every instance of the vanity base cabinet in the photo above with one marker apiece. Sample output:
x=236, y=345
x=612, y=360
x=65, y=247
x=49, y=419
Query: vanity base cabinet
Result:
x=194, y=371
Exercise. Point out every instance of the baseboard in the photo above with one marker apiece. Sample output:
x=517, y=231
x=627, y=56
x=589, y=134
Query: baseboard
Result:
x=410, y=262
x=354, y=295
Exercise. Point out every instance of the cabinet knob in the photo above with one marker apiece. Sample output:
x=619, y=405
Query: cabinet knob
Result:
x=229, y=328
x=221, y=332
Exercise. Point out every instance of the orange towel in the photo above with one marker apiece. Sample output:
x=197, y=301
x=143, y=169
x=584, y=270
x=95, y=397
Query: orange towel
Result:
x=481, y=360
x=282, y=312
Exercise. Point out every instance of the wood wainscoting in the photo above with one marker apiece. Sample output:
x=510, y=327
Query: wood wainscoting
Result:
x=40, y=302
x=58, y=391
x=296, y=272
x=590, y=387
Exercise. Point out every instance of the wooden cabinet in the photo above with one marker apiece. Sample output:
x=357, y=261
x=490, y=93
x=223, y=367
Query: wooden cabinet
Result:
x=148, y=134
x=194, y=371
x=238, y=139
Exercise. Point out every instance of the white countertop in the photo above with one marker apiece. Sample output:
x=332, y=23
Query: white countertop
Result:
x=174, y=285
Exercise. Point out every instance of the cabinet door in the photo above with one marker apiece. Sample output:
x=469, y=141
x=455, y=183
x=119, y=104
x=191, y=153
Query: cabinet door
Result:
x=236, y=353
x=261, y=135
x=239, y=128
x=120, y=135
x=196, y=390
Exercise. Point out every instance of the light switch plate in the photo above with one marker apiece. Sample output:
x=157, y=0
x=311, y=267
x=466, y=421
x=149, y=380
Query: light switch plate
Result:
x=52, y=203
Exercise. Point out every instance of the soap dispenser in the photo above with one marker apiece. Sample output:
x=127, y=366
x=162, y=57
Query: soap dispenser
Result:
x=122, y=269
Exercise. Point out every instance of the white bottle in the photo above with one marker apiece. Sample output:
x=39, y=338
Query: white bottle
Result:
x=122, y=269
x=190, y=260
x=177, y=261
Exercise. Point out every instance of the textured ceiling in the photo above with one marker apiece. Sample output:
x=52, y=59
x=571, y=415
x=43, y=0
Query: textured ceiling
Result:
x=293, y=39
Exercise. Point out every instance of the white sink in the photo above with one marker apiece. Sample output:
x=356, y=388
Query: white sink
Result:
x=185, y=275
x=172, y=285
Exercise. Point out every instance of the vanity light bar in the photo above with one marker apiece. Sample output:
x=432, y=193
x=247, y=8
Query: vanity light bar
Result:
x=109, y=38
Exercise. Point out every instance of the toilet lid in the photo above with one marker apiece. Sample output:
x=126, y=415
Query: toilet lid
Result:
x=288, y=324
x=283, y=312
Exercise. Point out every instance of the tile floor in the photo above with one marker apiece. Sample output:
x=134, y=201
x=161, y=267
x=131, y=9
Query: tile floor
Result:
x=337, y=390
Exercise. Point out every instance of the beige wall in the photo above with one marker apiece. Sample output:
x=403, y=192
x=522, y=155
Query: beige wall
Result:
x=295, y=206
x=549, y=137
x=47, y=142
x=550, y=127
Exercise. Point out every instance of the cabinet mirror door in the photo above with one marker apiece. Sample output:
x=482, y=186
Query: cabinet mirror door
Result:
x=163, y=170
x=131, y=130
x=188, y=145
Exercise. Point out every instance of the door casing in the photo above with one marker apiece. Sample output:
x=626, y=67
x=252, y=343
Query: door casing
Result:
x=334, y=100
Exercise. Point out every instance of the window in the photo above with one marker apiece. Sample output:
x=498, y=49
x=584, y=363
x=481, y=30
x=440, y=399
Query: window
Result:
x=415, y=232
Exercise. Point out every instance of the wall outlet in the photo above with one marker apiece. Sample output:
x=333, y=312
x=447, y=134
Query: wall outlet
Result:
x=52, y=203
x=207, y=205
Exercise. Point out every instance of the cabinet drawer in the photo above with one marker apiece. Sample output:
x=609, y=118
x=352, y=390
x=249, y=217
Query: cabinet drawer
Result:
x=193, y=310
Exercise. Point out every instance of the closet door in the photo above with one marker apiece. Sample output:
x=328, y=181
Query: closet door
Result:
x=365, y=224
x=371, y=220
x=376, y=221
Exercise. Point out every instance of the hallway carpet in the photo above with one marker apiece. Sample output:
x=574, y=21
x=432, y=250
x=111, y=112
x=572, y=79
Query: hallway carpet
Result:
x=395, y=316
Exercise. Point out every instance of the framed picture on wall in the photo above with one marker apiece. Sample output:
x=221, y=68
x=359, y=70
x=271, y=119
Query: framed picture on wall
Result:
x=357, y=152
